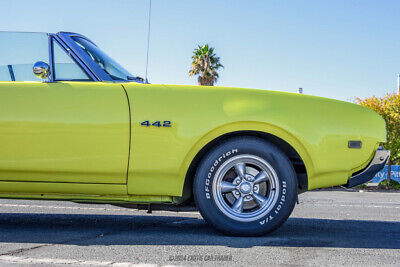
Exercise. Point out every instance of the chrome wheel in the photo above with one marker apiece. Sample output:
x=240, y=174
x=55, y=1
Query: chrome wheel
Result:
x=245, y=188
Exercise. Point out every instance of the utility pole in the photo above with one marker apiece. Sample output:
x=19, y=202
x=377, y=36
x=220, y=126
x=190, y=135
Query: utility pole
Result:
x=398, y=84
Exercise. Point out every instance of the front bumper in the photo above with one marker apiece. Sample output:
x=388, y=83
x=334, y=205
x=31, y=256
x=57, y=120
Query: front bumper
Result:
x=377, y=164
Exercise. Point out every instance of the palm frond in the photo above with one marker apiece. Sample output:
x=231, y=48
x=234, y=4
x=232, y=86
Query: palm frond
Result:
x=205, y=63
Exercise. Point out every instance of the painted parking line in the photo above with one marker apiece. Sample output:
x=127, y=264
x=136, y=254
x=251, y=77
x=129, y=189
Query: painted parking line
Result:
x=48, y=261
x=81, y=208
x=58, y=207
x=394, y=206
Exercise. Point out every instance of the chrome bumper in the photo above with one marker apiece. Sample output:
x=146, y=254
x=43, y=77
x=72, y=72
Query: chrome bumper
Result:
x=377, y=164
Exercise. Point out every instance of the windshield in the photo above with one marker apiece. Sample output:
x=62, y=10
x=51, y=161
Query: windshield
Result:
x=110, y=66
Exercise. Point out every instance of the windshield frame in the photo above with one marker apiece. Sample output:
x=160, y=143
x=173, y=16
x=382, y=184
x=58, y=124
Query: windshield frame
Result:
x=106, y=63
x=98, y=73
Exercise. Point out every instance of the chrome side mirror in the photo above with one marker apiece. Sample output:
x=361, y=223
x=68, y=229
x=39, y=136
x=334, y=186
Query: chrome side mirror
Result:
x=41, y=70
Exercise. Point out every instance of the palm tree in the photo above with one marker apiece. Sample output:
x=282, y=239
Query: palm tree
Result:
x=205, y=64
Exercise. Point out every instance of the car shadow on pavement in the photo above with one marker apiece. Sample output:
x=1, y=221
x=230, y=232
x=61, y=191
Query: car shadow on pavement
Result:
x=86, y=230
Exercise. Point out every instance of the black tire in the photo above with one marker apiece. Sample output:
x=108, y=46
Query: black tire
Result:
x=233, y=150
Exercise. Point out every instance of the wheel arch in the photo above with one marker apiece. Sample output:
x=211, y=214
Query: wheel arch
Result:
x=293, y=149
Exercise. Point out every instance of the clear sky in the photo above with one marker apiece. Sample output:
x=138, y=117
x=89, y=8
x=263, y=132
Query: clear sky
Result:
x=340, y=49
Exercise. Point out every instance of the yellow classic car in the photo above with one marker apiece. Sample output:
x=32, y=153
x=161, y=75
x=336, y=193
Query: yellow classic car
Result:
x=77, y=126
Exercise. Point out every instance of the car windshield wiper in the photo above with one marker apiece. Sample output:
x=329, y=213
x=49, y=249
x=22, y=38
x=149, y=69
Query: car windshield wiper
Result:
x=135, y=79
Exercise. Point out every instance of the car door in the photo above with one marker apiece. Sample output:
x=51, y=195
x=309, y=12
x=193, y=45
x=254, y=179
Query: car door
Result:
x=71, y=130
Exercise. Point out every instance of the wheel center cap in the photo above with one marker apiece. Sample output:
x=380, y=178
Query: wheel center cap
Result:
x=245, y=188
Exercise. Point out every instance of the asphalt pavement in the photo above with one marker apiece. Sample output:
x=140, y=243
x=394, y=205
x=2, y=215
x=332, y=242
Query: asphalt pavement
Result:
x=326, y=228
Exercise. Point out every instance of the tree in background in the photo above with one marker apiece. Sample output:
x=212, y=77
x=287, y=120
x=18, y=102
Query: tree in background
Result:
x=205, y=64
x=389, y=108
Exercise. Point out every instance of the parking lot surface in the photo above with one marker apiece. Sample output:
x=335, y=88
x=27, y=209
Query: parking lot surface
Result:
x=327, y=227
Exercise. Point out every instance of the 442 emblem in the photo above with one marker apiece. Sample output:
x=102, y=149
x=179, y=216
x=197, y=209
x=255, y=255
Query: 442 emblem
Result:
x=156, y=123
